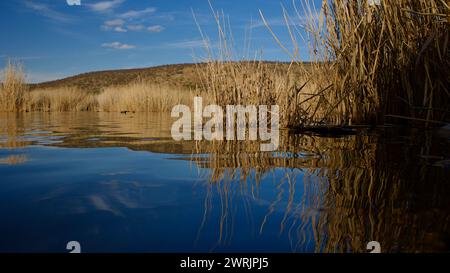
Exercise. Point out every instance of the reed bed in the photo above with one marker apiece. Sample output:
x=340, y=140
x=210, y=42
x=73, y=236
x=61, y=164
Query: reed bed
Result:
x=230, y=80
x=61, y=100
x=138, y=96
x=142, y=97
x=369, y=64
x=13, y=90
x=254, y=82
x=382, y=61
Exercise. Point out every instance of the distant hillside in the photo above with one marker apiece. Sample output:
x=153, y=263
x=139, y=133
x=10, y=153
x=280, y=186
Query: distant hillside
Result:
x=182, y=75
x=177, y=75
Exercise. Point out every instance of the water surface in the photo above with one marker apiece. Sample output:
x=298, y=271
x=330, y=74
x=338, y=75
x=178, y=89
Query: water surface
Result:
x=119, y=183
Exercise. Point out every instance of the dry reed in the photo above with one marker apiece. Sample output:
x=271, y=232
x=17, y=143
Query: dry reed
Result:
x=61, y=100
x=139, y=96
x=382, y=61
x=369, y=64
x=13, y=89
x=142, y=97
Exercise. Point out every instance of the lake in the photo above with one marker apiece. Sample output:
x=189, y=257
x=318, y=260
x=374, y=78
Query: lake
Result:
x=120, y=183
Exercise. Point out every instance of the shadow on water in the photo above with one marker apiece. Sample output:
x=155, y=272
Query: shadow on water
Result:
x=323, y=194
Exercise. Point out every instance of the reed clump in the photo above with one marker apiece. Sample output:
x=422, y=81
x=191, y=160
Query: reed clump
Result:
x=385, y=61
x=13, y=90
x=232, y=80
x=369, y=63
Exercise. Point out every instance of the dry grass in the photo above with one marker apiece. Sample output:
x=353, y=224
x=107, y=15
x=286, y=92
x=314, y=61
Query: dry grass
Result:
x=369, y=63
x=142, y=97
x=61, y=100
x=13, y=89
x=257, y=83
x=381, y=61
x=138, y=96
x=240, y=81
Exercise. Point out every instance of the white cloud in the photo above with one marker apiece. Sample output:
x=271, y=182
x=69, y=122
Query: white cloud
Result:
x=118, y=45
x=46, y=11
x=131, y=21
x=105, y=6
x=156, y=28
x=137, y=13
x=119, y=25
x=114, y=23
x=120, y=29
x=187, y=44
x=135, y=27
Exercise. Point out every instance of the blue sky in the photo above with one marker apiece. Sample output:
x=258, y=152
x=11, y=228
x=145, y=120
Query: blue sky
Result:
x=54, y=40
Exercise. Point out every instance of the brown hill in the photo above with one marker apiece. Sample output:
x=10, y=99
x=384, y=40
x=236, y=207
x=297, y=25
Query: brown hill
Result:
x=177, y=75
x=182, y=75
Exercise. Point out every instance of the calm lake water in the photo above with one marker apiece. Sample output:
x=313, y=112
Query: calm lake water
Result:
x=119, y=183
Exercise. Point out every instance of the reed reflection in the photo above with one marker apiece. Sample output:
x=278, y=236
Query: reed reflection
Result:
x=342, y=192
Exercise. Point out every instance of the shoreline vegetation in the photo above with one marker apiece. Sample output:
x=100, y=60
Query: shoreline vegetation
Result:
x=369, y=64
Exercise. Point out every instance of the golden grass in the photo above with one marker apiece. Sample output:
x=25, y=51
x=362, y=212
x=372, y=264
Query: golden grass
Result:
x=63, y=99
x=381, y=60
x=142, y=97
x=369, y=64
x=138, y=96
x=13, y=89
x=257, y=83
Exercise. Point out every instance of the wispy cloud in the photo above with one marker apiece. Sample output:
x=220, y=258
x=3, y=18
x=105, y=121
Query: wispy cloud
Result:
x=132, y=21
x=46, y=11
x=155, y=28
x=136, y=27
x=116, y=25
x=118, y=45
x=187, y=44
x=137, y=13
x=105, y=6
x=120, y=29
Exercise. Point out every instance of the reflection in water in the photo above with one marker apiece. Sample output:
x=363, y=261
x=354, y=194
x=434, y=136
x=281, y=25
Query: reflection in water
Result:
x=313, y=194
x=13, y=160
x=355, y=189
